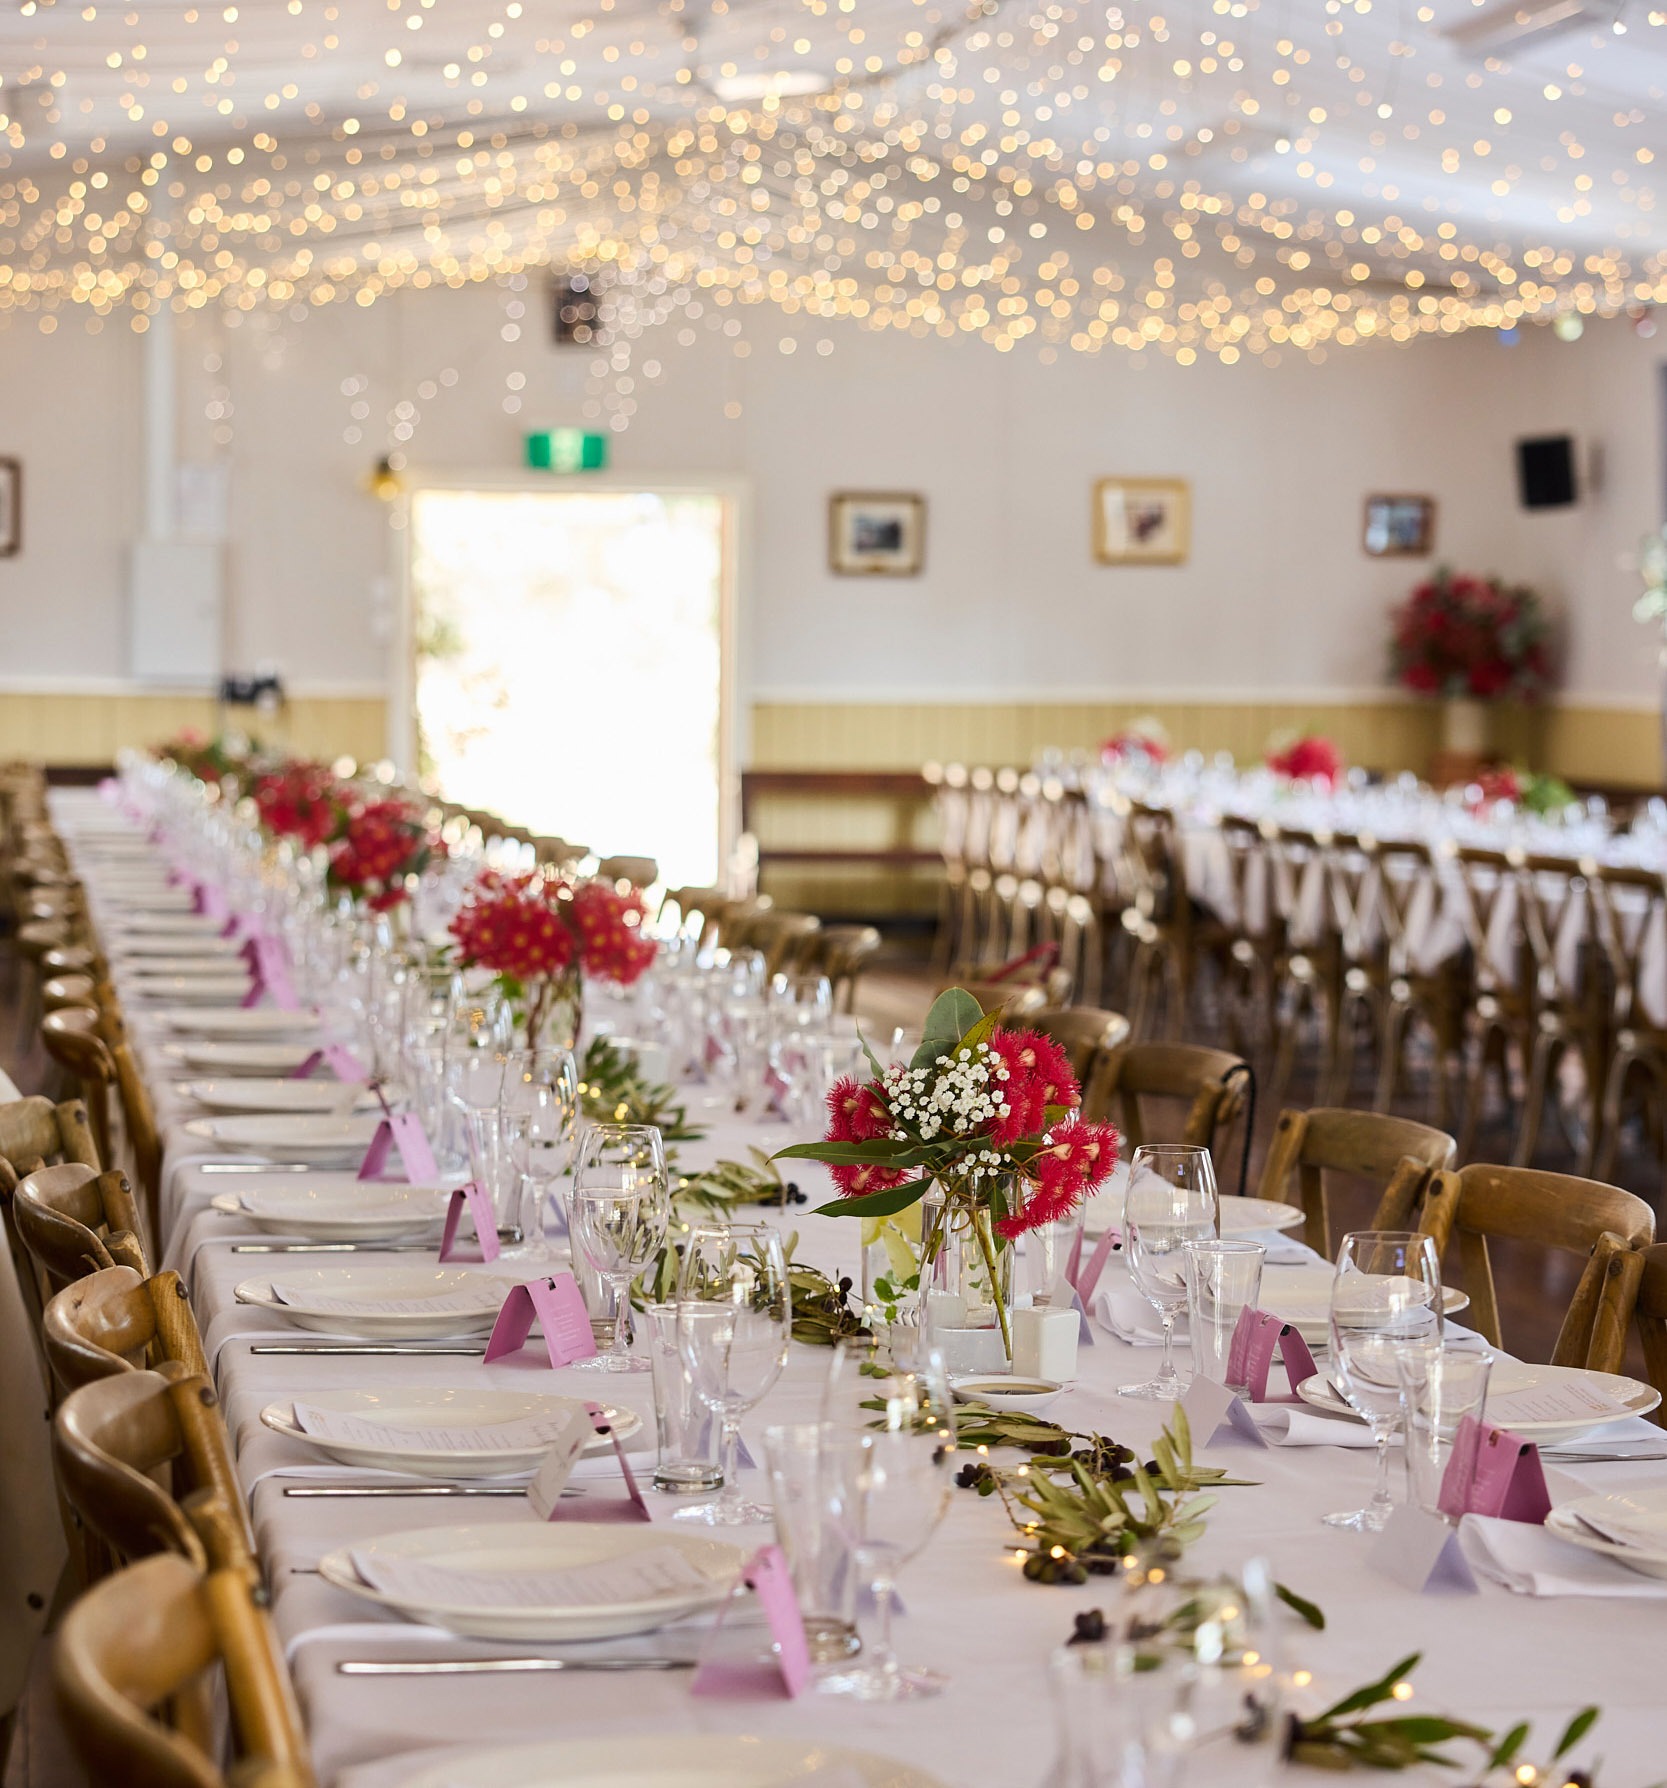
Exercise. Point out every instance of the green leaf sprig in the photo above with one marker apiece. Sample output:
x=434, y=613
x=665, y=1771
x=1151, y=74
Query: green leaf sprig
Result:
x=728, y=1185
x=612, y=1091
x=822, y=1312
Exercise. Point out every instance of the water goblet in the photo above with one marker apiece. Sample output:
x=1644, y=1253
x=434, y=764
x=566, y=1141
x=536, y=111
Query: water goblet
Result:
x=1170, y=1203
x=618, y=1213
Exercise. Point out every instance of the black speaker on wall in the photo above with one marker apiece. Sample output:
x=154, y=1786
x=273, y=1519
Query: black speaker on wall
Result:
x=1545, y=472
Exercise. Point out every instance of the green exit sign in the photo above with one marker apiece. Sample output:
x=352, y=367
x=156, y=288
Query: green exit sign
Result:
x=567, y=450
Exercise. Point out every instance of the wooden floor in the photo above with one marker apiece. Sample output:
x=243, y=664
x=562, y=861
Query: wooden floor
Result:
x=1533, y=1284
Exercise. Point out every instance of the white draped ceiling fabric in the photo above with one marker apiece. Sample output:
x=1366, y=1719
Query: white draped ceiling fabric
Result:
x=1210, y=177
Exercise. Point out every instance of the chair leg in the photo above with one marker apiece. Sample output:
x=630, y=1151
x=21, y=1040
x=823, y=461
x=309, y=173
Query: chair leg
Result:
x=1547, y=1047
x=1395, y=1017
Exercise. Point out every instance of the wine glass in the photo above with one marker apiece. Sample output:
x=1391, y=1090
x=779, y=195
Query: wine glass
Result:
x=618, y=1213
x=734, y=1321
x=1385, y=1299
x=537, y=1125
x=1171, y=1202
x=887, y=1493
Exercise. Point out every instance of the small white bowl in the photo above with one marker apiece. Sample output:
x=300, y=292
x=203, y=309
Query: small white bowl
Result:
x=1029, y=1396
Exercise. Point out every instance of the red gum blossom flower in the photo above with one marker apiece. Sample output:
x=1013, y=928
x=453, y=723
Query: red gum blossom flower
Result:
x=857, y=1112
x=855, y=1181
x=1080, y=1157
x=1038, y=1075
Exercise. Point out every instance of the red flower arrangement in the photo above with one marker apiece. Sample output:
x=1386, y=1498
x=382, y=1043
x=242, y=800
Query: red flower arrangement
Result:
x=302, y=801
x=1310, y=758
x=991, y=1115
x=1470, y=637
x=378, y=844
x=541, y=932
x=1140, y=739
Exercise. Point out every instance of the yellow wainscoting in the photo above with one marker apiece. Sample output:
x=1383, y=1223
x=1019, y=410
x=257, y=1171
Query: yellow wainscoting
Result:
x=89, y=729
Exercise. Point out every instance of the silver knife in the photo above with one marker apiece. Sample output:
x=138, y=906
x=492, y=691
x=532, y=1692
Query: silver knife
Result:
x=334, y=1247
x=1572, y=1456
x=356, y=1349
x=410, y=1490
x=500, y=1666
x=258, y=1167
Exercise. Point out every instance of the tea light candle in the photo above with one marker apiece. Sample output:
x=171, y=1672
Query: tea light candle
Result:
x=1045, y=1343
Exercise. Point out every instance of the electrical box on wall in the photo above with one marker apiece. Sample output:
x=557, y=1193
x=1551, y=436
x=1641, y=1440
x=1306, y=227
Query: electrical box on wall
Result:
x=175, y=610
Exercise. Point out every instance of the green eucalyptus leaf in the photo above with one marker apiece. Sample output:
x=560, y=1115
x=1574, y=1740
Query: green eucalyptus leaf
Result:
x=875, y=1204
x=1577, y=1728
x=1309, y=1611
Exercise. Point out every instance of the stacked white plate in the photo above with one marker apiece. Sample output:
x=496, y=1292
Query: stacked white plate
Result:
x=217, y=1056
x=337, y=1208
x=509, y=1579
x=290, y=1136
x=683, y=1760
x=402, y=1304
x=129, y=927
x=172, y=946
x=432, y=1432
x=1629, y=1526
x=219, y=988
x=251, y=1094
x=239, y=1021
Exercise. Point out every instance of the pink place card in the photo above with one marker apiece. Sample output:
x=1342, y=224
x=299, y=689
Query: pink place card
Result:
x=546, y=1492
x=560, y=1311
x=211, y=903
x=1073, y=1260
x=1494, y=1472
x=400, y=1132
x=341, y=1062
x=1210, y=1407
x=1256, y=1339
x=479, y=1203
x=787, y=1671
x=1087, y=1280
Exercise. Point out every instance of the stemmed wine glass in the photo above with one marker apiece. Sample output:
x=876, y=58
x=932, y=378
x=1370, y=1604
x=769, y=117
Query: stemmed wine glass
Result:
x=537, y=1125
x=619, y=1211
x=1385, y=1299
x=1171, y=1201
x=734, y=1321
x=888, y=1492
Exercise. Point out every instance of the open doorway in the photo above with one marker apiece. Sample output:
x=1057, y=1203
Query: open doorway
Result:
x=570, y=666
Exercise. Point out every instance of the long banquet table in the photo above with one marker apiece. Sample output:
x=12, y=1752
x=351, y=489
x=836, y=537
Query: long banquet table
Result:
x=1488, y=1656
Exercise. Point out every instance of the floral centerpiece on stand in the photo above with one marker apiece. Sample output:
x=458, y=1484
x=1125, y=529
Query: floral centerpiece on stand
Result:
x=985, y=1118
x=1144, y=741
x=376, y=847
x=542, y=933
x=1306, y=757
x=300, y=801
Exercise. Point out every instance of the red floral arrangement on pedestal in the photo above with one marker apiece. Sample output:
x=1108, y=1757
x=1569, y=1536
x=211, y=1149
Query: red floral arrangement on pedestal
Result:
x=302, y=801
x=542, y=932
x=377, y=846
x=1140, y=739
x=1465, y=637
x=1310, y=758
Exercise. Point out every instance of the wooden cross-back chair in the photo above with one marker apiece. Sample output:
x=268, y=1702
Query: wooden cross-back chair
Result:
x=1481, y=1202
x=1631, y=908
x=139, y=1454
x=1016, y=1001
x=639, y=872
x=71, y=1036
x=1087, y=1034
x=115, y=1321
x=33, y=1133
x=1211, y=1083
x=842, y=952
x=1394, y=1154
x=135, y=1670
x=72, y=1220
x=1650, y=1312
x=143, y=1139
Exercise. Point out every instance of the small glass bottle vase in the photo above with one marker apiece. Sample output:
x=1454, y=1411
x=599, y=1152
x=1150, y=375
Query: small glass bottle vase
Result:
x=967, y=1273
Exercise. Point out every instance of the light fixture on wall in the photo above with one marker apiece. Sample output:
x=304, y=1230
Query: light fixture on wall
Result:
x=384, y=482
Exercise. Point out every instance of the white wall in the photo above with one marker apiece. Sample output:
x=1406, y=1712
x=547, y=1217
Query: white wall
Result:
x=1277, y=596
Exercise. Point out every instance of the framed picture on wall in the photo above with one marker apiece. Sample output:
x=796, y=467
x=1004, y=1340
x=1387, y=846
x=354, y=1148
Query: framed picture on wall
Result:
x=11, y=506
x=876, y=533
x=1142, y=521
x=1399, y=527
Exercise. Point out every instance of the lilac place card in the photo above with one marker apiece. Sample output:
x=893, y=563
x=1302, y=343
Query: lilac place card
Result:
x=560, y=1311
x=787, y=1671
x=341, y=1062
x=1494, y=1472
x=545, y=1493
x=1421, y=1552
x=1258, y=1336
x=1087, y=1281
x=474, y=1196
x=1210, y=1407
x=401, y=1133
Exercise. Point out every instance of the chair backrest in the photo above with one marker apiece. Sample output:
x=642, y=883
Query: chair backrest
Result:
x=73, y=1220
x=143, y=1138
x=1651, y=1310
x=116, y=1441
x=134, y=1666
x=1521, y=1204
x=71, y=1036
x=640, y=872
x=115, y=1321
x=1016, y=1001
x=841, y=953
x=33, y=1133
x=1085, y=1033
x=1362, y=1145
x=1211, y=1082
x=783, y=937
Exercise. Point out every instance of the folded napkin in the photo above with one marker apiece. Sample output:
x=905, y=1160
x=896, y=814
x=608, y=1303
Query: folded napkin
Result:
x=1292, y=1425
x=1531, y=1562
x=1284, y=1250
x=1122, y=1310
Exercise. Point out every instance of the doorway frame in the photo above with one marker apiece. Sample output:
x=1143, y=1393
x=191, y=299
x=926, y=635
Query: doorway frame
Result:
x=735, y=493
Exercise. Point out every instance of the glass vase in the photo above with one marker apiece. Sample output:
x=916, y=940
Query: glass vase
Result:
x=967, y=1271
x=553, y=1012
x=891, y=1295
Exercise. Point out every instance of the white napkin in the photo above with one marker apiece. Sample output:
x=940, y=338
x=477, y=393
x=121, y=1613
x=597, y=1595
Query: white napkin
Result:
x=1284, y=1250
x=1531, y=1562
x=1122, y=1310
x=1291, y=1425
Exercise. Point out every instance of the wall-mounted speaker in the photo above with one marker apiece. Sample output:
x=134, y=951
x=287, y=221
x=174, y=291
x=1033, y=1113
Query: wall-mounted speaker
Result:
x=1545, y=472
x=575, y=314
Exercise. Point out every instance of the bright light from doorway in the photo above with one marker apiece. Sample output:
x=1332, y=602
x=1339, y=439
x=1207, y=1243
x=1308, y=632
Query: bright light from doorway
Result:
x=569, y=664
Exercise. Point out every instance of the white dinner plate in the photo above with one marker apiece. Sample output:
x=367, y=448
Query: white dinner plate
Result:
x=401, y=1413
x=175, y=946
x=409, y=1303
x=1235, y=1216
x=135, y=899
x=132, y=926
x=1517, y=1375
x=1641, y=1514
x=290, y=1136
x=681, y=1760
x=1301, y=1296
x=521, y=1547
x=249, y=1094
x=193, y=990
x=185, y=960
x=216, y=1056
x=337, y=1207
x=240, y=1021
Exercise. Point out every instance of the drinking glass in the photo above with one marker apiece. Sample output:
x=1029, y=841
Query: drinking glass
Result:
x=687, y=1431
x=1386, y=1298
x=1171, y=1202
x=1440, y=1386
x=800, y=1464
x=1224, y=1279
x=887, y=1493
x=618, y=1214
x=734, y=1321
x=537, y=1127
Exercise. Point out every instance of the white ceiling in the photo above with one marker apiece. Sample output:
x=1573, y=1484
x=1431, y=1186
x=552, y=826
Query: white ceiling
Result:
x=1320, y=145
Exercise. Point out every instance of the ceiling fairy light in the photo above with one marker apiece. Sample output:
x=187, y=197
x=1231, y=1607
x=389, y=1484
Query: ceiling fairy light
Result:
x=1202, y=179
